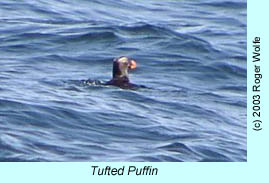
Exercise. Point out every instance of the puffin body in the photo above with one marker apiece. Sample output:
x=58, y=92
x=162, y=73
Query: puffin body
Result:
x=120, y=76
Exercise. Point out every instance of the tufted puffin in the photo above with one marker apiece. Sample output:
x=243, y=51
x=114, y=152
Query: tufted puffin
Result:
x=120, y=78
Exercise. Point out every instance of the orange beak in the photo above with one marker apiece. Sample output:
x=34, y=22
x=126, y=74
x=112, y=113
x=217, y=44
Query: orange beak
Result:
x=132, y=64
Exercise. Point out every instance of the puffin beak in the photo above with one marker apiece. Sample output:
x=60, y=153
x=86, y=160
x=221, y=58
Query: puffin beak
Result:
x=132, y=64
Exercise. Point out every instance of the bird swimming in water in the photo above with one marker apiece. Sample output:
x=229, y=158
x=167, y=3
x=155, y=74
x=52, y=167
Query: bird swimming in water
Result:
x=120, y=77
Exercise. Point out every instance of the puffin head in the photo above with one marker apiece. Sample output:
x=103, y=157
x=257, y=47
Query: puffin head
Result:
x=121, y=66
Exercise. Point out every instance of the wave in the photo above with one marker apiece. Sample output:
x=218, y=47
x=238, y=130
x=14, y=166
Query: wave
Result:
x=190, y=55
x=226, y=4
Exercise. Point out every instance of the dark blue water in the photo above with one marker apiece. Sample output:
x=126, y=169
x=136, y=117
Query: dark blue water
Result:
x=191, y=55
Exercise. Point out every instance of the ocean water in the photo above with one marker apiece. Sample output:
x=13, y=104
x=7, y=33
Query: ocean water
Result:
x=191, y=55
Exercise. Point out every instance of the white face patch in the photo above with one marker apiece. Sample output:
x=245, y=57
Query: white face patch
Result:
x=123, y=59
x=123, y=66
